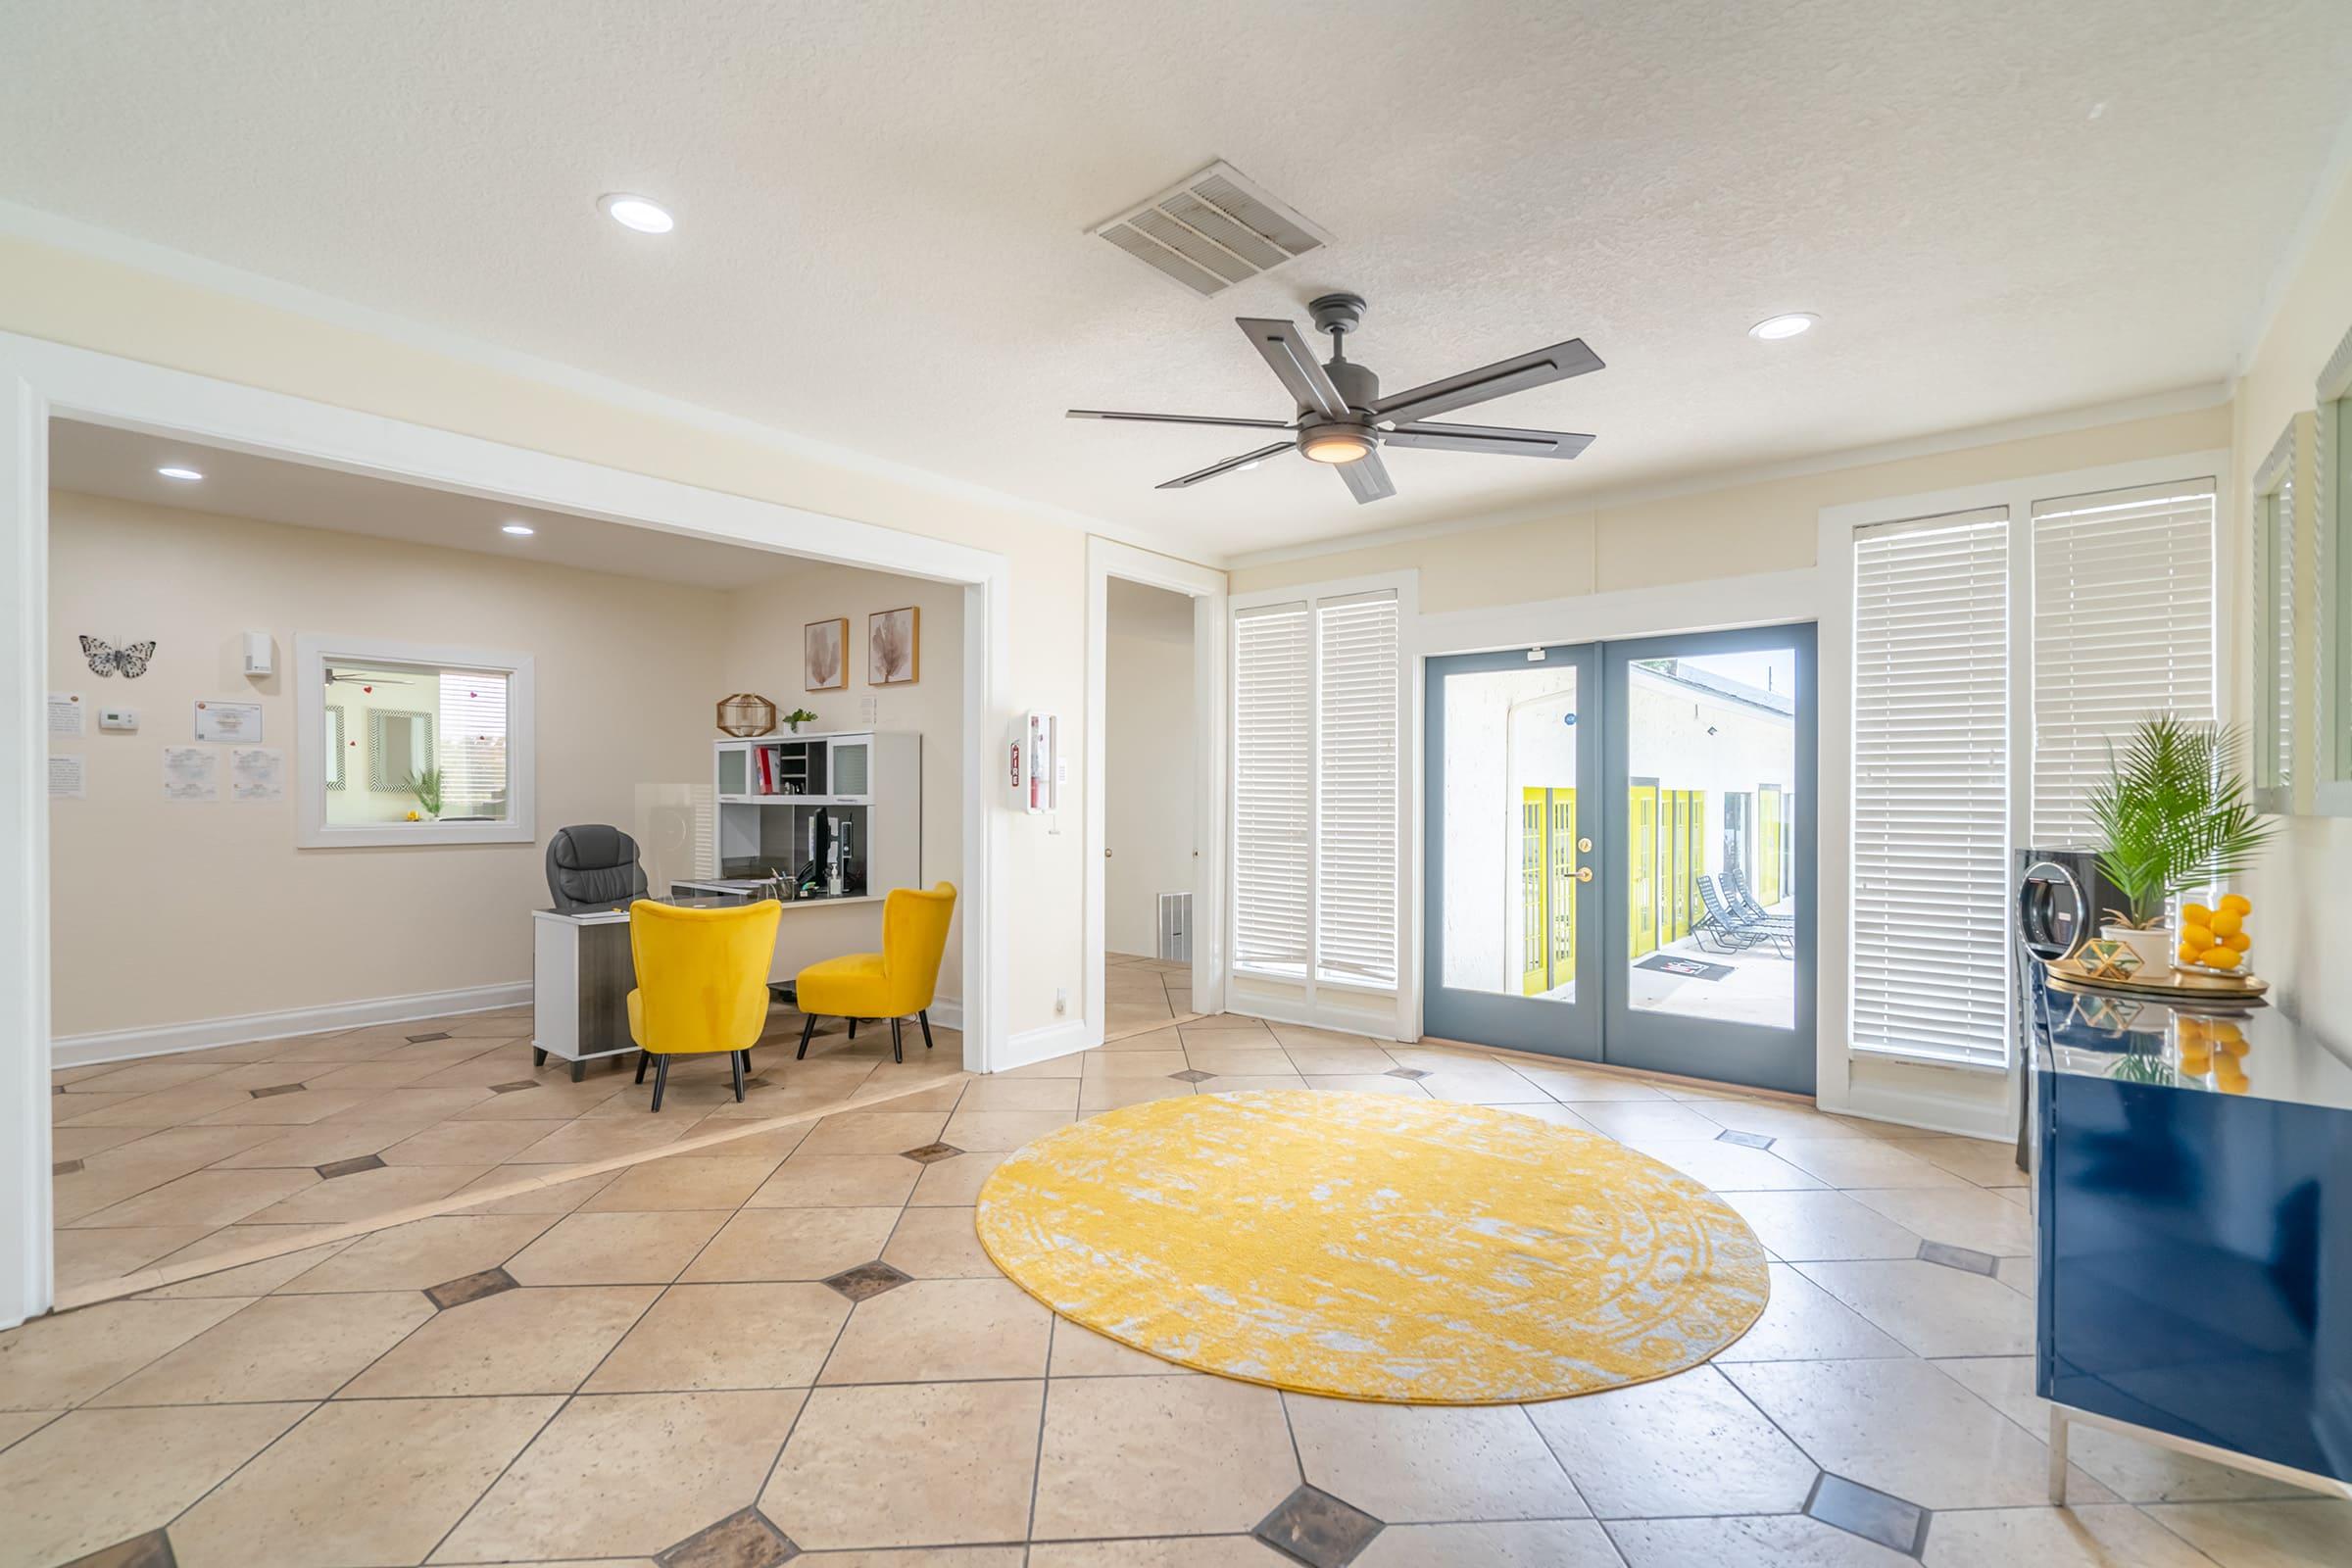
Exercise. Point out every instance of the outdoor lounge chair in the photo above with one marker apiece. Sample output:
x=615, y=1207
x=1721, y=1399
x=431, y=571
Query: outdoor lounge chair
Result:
x=1734, y=884
x=1731, y=932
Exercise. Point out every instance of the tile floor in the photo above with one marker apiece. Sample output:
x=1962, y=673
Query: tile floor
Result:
x=796, y=1345
x=178, y=1158
x=1141, y=993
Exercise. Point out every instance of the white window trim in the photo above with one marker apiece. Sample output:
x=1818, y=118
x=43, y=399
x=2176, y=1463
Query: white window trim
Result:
x=2331, y=510
x=314, y=652
x=2289, y=459
x=1392, y=1012
x=1835, y=564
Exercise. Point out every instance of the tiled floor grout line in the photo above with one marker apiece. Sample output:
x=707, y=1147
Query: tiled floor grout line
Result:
x=1037, y=1457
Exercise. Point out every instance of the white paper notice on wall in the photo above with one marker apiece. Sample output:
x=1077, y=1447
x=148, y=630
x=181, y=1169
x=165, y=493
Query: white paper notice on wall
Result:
x=65, y=714
x=191, y=773
x=67, y=781
x=257, y=774
x=228, y=721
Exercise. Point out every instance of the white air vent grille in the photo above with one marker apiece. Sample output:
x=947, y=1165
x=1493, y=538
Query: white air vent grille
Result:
x=1212, y=230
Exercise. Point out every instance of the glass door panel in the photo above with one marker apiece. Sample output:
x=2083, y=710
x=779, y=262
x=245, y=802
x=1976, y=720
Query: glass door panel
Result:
x=1510, y=864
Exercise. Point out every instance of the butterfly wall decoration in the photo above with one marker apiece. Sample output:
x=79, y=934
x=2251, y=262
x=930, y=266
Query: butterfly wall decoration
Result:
x=106, y=659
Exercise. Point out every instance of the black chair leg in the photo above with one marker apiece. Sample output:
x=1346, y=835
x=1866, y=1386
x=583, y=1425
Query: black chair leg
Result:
x=735, y=1060
x=898, y=1051
x=807, y=1028
x=853, y=1028
x=643, y=1056
x=661, y=1079
x=924, y=1018
x=538, y=1055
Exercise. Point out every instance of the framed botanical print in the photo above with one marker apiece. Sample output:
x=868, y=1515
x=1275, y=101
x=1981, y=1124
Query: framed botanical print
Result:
x=825, y=654
x=894, y=646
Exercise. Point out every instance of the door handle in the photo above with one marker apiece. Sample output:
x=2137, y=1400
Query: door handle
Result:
x=1584, y=873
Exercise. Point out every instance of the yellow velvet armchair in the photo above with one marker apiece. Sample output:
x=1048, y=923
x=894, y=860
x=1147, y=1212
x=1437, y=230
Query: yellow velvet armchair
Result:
x=891, y=984
x=702, y=983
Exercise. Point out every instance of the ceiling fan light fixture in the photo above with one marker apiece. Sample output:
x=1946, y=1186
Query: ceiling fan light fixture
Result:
x=1336, y=446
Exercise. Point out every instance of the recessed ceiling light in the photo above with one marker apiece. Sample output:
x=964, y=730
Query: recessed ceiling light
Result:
x=1775, y=328
x=520, y=530
x=635, y=212
x=1252, y=463
x=183, y=475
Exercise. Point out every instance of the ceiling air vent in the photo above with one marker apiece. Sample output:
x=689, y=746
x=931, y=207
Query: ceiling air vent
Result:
x=1212, y=231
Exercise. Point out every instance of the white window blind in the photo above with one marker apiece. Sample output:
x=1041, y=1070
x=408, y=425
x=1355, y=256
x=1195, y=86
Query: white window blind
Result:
x=1272, y=757
x=1930, y=854
x=2274, y=656
x=1356, y=789
x=473, y=749
x=2122, y=629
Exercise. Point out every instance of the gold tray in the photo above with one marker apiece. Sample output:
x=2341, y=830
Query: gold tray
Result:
x=2211, y=988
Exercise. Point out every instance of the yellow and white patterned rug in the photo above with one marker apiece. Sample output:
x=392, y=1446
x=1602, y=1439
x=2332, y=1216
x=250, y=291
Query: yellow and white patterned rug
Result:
x=1373, y=1246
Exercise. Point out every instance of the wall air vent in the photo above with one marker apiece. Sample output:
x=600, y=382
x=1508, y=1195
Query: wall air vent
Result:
x=1212, y=231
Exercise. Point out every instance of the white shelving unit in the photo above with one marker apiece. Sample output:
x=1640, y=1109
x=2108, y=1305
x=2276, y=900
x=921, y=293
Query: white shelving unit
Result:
x=870, y=781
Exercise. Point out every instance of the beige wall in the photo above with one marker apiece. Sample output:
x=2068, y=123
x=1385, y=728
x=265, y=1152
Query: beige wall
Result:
x=1765, y=526
x=170, y=913
x=2302, y=922
x=762, y=653
x=1149, y=785
x=50, y=293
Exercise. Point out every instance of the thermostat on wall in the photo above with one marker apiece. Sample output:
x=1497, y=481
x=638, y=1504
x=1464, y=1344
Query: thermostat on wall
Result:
x=125, y=719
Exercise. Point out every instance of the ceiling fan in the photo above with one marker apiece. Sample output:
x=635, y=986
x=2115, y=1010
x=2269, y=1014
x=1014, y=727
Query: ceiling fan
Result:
x=1343, y=421
x=337, y=677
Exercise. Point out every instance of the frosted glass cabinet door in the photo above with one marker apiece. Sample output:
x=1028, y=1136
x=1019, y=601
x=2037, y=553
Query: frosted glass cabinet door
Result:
x=851, y=770
x=734, y=771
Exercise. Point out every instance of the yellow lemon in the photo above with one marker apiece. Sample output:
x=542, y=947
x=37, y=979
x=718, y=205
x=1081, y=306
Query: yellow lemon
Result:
x=2190, y=951
x=2224, y=922
x=2238, y=904
x=2196, y=913
x=2238, y=940
x=2196, y=935
x=2219, y=959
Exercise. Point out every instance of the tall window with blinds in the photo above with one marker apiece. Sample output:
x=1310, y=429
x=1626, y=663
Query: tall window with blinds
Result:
x=1931, y=761
x=1317, y=758
x=2278, y=490
x=473, y=744
x=2122, y=629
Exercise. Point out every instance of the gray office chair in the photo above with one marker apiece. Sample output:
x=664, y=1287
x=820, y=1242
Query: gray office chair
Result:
x=593, y=867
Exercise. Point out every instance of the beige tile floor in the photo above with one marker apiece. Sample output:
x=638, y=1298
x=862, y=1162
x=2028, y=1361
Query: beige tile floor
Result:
x=652, y=1366
x=1141, y=993
x=176, y=1159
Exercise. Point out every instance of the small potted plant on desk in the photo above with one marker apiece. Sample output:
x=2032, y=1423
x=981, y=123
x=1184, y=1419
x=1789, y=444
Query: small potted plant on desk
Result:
x=2174, y=816
x=426, y=787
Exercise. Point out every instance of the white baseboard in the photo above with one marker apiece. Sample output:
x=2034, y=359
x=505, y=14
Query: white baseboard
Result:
x=947, y=1012
x=1994, y=1122
x=1043, y=1045
x=167, y=1039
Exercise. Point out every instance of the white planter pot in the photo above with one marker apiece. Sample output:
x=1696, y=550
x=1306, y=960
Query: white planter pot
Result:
x=2154, y=948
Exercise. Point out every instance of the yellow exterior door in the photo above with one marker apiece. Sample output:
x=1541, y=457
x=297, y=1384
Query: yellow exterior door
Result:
x=1678, y=863
x=1559, y=888
x=1641, y=866
x=1768, y=844
x=1695, y=842
x=1532, y=861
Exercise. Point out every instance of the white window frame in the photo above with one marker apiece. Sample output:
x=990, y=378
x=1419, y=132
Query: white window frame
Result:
x=314, y=652
x=1386, y=1011
x=2331, y=498
x=1835, y=544
x=2276, y=788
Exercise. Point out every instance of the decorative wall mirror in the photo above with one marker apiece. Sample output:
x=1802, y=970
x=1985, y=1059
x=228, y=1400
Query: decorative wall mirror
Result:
x=338, y=743
x=400, y=746
x=2283, y=490
x=2332, y=782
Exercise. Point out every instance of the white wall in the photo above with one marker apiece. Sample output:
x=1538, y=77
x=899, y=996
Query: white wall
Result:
x=167, y=914
x=1148, y=790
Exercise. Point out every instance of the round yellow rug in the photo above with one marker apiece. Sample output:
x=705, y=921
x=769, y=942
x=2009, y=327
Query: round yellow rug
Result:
x=1373, y=1246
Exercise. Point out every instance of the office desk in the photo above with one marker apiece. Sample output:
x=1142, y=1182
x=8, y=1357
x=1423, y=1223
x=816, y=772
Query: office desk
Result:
x=582, y=973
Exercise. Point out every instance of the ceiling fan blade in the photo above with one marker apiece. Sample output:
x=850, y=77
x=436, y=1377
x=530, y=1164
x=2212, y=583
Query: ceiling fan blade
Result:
x=1179, y=419
x=1367, y=478
x=1497, y=439
x=1227, y=467
x=1555, y=363
x=1286, y=353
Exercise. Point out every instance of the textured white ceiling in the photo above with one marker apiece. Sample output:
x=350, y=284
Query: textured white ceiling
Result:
x=99, y=460
x=2001, y=207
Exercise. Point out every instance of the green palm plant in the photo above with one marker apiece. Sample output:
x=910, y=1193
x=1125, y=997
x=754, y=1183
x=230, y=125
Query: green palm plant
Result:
x=2175, y=814
x=426, y=787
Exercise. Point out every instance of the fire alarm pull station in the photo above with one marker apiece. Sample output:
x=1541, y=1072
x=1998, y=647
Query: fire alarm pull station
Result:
x=1034, y=763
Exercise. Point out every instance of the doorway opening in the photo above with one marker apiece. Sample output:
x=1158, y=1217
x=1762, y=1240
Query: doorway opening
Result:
x=1152, y=809
x=1619, y=853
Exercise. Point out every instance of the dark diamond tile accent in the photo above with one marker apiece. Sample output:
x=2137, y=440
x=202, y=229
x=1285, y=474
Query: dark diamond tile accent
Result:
x=65, y=1167
x=418, y=1040
x=57, y=1089
x=1407, y=1072
x=515, y=1086
x=275, y=1088
x=470, y=1287
x=930, y=1153
x=742, y=1539
x=868, y=1280
x=350, y=1168
x=150, y=1551
x=1743, y=1140
x=1965, y=1258
x=1315, y=1528
x=1874, y=1515
x=1192, y=1075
